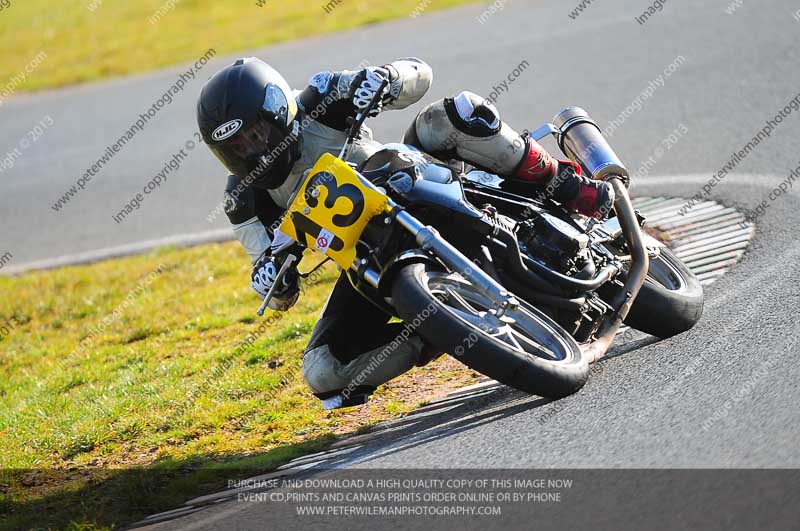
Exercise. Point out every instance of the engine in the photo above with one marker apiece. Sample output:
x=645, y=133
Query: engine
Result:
x=555, y=242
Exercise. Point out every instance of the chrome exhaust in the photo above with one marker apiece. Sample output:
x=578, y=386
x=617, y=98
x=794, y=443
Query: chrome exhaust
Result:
x=640, y=264
x=581, y=139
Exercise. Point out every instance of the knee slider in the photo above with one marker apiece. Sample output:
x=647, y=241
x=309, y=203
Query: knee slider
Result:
x=320, y=370
x=447, y=124
x=473, y=115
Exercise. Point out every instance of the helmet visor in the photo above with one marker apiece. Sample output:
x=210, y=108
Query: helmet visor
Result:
x=254, y=152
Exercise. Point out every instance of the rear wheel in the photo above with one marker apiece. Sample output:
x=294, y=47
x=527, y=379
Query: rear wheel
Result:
x=671, y=299
x=523, y=348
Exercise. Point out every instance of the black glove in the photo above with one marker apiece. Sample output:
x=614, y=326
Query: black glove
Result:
x=265, y=271
x=366, y=85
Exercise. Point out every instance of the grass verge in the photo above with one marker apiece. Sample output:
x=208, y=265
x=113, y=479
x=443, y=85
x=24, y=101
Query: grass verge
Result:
x=86, y=40
x=129, y=386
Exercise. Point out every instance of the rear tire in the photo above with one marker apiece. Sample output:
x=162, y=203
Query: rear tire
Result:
x=491, y=346
x=670, y=301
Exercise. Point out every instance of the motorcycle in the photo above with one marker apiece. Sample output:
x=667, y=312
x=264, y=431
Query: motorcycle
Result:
x=515, y=287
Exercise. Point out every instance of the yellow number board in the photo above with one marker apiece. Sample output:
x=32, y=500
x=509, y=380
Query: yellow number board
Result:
x=331, y=209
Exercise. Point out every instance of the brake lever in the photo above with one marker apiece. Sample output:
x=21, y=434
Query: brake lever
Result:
x=291, y=259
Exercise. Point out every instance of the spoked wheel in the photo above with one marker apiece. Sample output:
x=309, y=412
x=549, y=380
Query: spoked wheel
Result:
x=671, y=299
x=522, y=348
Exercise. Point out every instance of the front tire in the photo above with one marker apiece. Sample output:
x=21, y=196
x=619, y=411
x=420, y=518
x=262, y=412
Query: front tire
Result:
x=524, y=349
x=670, y=301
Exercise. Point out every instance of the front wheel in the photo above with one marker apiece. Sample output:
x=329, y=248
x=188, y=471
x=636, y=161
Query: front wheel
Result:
x=523, y=348
x=671, y=299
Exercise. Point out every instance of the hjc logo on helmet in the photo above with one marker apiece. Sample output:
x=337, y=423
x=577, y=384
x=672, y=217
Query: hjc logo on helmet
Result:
x=226, y=130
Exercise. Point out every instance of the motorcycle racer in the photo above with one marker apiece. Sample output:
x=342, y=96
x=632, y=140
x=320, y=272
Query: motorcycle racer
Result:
x=269, y=136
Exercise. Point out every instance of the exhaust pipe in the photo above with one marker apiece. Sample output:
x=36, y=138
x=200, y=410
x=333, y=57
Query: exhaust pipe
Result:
x=640, y=264
x=581, y=139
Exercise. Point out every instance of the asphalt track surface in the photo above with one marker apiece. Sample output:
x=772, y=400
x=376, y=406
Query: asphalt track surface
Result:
x=643, y=407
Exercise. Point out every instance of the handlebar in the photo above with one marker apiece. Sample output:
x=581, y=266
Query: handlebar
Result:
x=355, y=126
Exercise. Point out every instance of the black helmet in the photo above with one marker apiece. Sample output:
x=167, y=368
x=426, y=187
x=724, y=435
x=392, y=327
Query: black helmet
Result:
x=249, y=118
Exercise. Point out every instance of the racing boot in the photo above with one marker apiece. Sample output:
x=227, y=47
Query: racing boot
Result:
x=563, y=181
